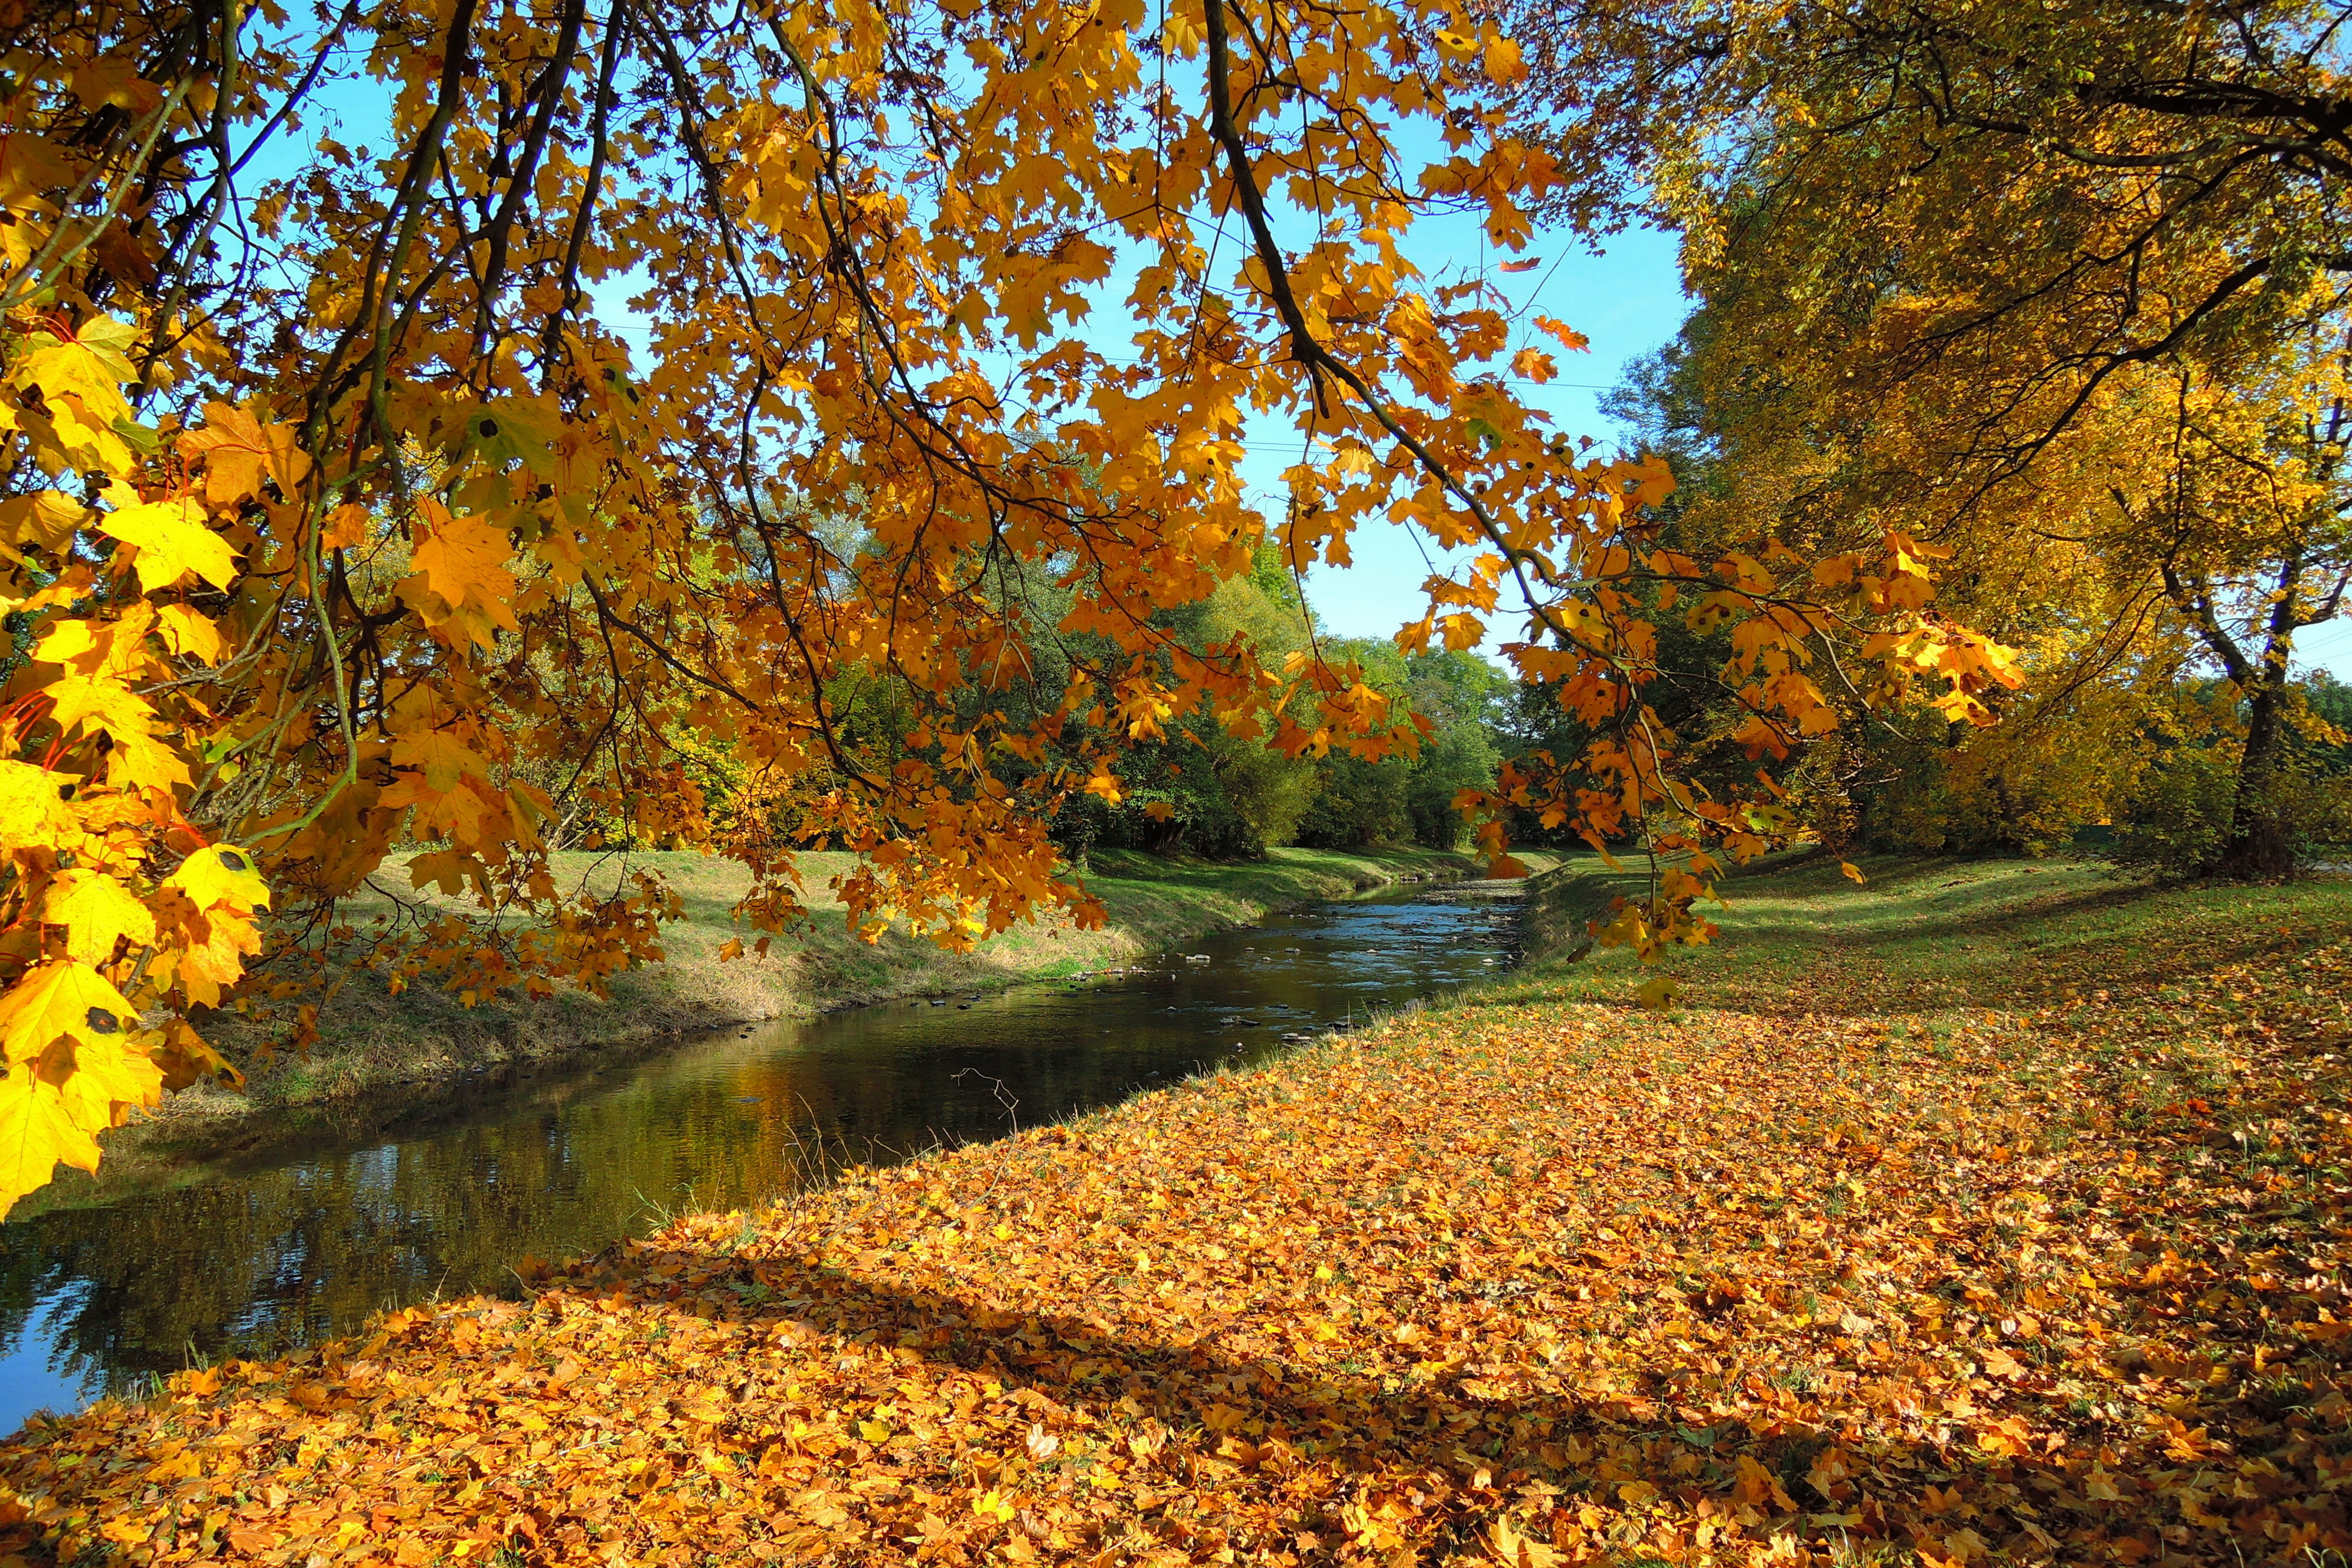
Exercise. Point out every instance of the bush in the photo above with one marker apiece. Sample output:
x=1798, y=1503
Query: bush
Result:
x=1205, y=792
x=2317, y=805
x=2022, y=786
x=1357, y=803
x=2186, y=806
x=2180, y=813
x=1458, y=758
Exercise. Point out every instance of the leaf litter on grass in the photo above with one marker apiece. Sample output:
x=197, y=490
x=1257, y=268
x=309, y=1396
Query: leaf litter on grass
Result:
x=1519, y=1280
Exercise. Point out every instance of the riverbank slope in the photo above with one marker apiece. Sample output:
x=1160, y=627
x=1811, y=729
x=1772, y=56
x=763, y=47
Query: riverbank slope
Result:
x=373, y=1047
x=1983, y=1211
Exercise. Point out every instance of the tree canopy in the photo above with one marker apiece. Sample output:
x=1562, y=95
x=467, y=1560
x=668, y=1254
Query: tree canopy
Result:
x=648, y=377
x=2061, y=290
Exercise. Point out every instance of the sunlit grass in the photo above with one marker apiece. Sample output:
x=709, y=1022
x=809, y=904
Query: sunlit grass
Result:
x=1936, y=936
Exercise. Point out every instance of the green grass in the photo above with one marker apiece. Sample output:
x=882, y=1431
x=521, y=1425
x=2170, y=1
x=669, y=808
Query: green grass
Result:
x=374, y=1047
x=1933, y=936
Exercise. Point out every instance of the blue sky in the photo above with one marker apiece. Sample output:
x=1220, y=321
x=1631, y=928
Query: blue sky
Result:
x=2327, y=647
x=1628, y=301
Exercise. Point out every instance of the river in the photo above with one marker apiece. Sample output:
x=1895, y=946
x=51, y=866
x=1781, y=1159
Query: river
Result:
x=310, y=1241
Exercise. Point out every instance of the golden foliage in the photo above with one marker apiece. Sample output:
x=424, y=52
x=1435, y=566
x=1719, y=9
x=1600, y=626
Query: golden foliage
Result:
x=343, y=513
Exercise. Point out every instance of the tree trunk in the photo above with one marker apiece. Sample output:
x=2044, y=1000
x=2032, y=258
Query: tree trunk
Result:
x=2259, y=849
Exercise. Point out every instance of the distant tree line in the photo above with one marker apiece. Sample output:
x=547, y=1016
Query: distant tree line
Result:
x=1192, y=783
x=2144, y=729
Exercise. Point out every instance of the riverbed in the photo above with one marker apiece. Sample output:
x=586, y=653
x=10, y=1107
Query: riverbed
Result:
x=310, y=1241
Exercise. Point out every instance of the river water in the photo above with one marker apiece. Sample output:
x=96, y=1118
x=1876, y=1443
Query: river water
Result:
x=310, y=1241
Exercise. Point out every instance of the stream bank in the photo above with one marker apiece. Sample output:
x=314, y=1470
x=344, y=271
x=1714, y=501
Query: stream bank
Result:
x=1940, y=1221
x=257, y=1256
x=385, y=1062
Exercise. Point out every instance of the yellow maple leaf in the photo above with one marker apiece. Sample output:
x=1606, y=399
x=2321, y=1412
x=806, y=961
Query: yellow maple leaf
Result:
x=1567, y=336
x=1509, y=1546
x=70, y=643
x=33, y=814
x=346, y=526
x=46, y=518
x=462, y=562
x=91, y=365
x=96, y=910
x=206, y=969
x=97, y=703
x=109, y=648
x=2006, y=1437
x=35, y=1133
x=1756, y=1486
x=221, y=874
x=182, y=1058
x=142, y=763
x=96, y=1082
x=1502, y=61
x=441, y=755
x=172, y=541
x=236, y=450
x=29, y=165
x=190, y=632
x=516, y=429
x=116, y=81
x=60, y=999
x=84, y=439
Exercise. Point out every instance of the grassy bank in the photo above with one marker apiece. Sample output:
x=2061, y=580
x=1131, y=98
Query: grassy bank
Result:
x=375, y=1046
x=1984, y=1214
x=1929, y=937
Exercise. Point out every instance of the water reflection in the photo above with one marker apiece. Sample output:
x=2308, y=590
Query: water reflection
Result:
x=310, y=1244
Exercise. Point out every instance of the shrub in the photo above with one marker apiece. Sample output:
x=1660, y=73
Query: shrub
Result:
x=2179, y=815
x=2022, y=786
x=2186, y=804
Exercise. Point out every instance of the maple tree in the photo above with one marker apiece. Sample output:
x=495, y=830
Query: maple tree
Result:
x=344, y=520
x=1757, y=409
x=2061, y=290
